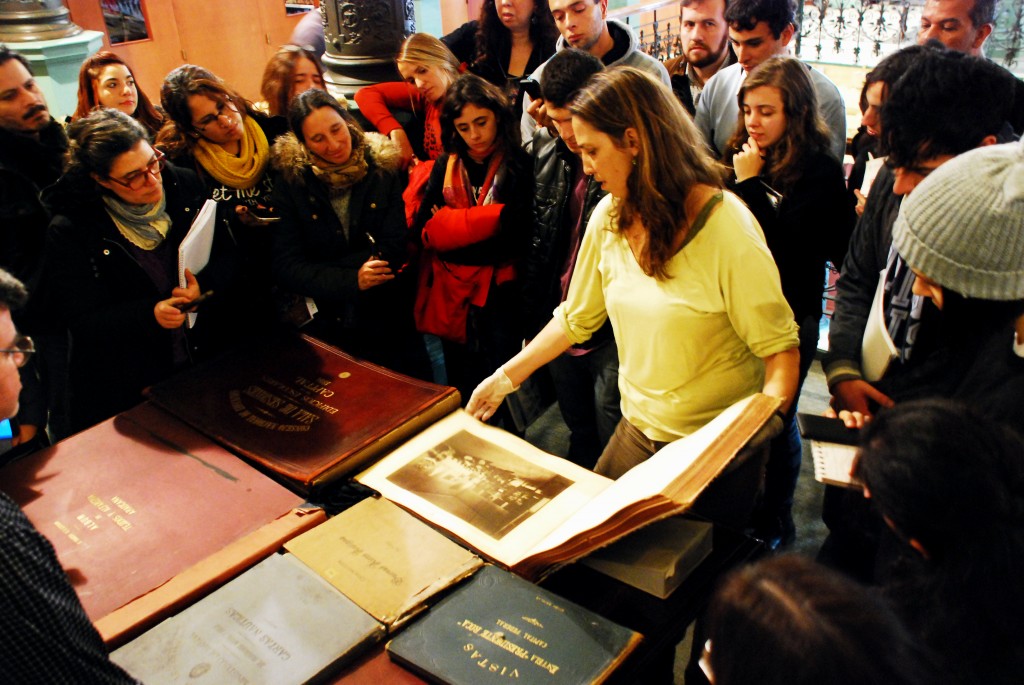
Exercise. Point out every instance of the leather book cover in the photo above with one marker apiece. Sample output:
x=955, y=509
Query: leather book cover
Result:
x=278, y=622
x=302, y=409
x=499, y=628
x=199, y=580
x=384, y=559
x=133, y=501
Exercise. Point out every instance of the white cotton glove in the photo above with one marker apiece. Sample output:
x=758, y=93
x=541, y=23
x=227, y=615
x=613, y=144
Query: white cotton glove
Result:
x=488, y=395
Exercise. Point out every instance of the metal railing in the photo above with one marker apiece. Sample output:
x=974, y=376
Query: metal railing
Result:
x=848, y=32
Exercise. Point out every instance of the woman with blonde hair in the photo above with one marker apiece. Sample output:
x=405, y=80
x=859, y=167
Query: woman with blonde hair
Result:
x=428, y=67
x=292, y=70
x=105, y=80
x=785, y=173
x=680, y=269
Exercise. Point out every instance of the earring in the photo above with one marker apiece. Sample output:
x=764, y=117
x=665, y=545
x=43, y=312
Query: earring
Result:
x=634, y=161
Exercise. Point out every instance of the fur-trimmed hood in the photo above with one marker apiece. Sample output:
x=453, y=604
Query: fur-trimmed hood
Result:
x=291, y=158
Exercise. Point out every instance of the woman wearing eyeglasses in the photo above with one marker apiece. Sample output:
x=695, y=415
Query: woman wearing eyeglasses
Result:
x=119, y=214
x=212, y=129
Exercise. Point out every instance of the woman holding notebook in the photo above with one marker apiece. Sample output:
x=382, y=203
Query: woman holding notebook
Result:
x=211, y=129
x=119, y=213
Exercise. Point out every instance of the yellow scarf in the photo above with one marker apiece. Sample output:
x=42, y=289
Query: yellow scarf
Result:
x=245, y=170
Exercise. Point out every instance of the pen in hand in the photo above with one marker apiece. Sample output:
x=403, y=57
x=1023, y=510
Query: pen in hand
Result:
x=192, y=305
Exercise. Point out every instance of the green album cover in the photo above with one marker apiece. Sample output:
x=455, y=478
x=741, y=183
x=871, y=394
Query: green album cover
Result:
x=499, y=627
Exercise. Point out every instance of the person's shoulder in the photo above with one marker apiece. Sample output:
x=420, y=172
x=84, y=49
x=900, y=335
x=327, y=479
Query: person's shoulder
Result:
x=310, y=31
x=186, y=180
x=637, y=58
x=542, y=146
x=15, y=148
x=823, y=85
x=652, y=65
x=603, y=210
x=462, y=41
x=288, y=157
x=821, y=163
x=382, y=153
x=726, y=79
x=540, y=68
x=732, y=214
x=10, y=513
x=273, y=127
x=519, y=160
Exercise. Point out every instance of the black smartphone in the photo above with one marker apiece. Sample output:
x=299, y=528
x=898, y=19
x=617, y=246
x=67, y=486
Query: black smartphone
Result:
x=374, y=250
x=530, y=87
x=823, y=429
x=186, y=307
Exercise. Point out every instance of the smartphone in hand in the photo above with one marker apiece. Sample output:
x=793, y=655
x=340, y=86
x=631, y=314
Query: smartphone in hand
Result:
x=263, y=215
x=530, y=87
x=374, y=250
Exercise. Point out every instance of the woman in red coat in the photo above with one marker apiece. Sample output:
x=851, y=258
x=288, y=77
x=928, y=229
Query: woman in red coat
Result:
x=428, y=68
x=474, y=223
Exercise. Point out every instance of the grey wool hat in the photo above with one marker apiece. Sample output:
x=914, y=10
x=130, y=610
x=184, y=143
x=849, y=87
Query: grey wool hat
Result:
x=963, y=226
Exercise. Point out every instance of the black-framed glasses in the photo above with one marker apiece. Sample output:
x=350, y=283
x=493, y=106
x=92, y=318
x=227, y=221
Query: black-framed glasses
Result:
x=137, y=179
x=22, y=350
x=225, y=116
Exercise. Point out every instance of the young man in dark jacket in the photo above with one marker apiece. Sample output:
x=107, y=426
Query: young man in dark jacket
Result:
x=922, y=127
x=32, y=146
x=586, y=377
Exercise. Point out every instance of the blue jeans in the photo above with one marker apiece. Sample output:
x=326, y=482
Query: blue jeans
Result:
x=786, y=451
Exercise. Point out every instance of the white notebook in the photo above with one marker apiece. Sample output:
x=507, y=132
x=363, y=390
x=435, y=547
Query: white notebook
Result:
x=833, y=463
x=877, y=349
x=194, y=250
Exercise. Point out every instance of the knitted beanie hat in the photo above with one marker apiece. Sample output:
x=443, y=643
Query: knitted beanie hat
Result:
x=963, y=226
